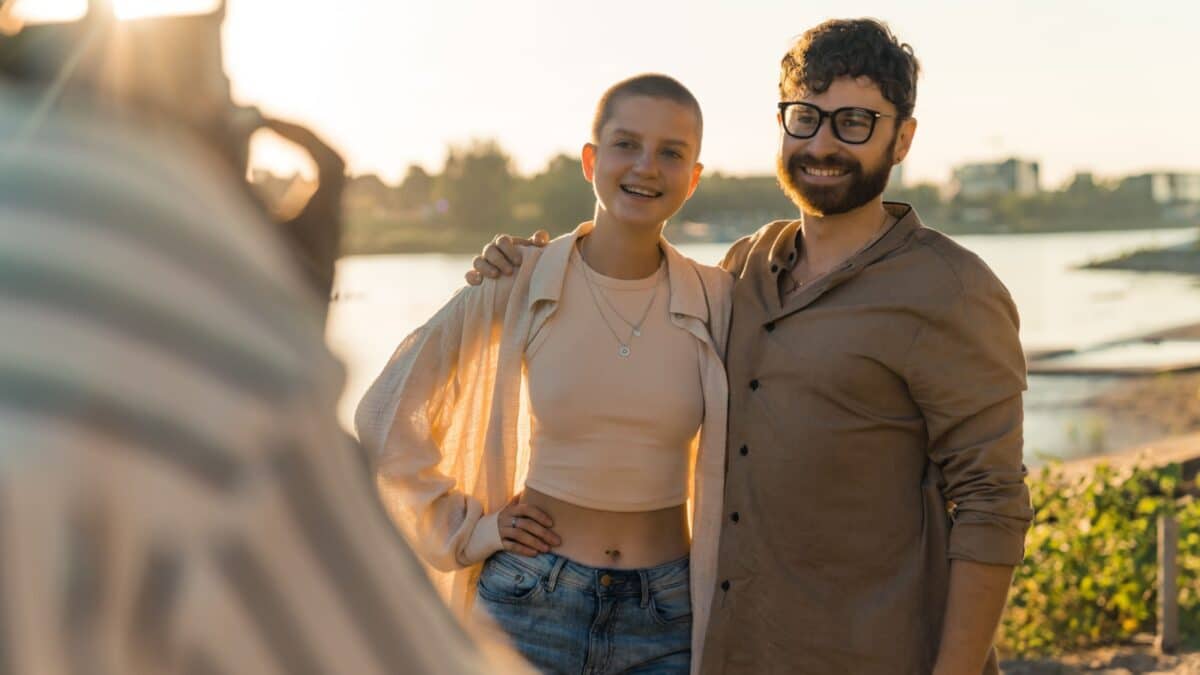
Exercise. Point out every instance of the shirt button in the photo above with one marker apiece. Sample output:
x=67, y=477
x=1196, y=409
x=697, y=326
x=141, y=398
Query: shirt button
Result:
x=734, y=516
x=725, y=585
x=770, y=326
x=606, y=580
x=744, y=450
x=753, y=385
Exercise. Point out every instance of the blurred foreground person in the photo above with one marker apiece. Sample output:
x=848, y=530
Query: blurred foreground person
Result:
x=175, y=493
x=168, y=70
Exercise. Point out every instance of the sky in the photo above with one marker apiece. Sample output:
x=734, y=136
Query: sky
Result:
x=1099, y=85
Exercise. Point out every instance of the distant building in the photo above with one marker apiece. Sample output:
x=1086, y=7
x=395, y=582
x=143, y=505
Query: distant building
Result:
x=1083, y=181
x=1012, y=176
x=1166, y=188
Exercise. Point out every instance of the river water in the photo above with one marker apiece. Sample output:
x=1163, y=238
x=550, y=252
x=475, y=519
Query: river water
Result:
x=380, y=299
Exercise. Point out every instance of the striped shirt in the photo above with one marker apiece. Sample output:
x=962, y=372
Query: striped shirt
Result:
x=175, y=493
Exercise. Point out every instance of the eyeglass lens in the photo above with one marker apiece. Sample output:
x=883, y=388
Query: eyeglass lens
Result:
x=849, y=124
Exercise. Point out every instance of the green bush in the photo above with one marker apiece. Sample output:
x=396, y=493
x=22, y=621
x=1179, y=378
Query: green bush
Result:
x=1091, y=560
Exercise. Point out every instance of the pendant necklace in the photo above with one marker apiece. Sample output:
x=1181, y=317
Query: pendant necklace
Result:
x=623, y=349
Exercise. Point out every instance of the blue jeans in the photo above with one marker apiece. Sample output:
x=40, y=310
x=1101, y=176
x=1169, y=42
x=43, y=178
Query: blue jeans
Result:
x=567, y=618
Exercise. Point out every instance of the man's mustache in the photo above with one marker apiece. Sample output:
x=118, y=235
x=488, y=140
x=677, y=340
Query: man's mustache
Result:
x=796, y=162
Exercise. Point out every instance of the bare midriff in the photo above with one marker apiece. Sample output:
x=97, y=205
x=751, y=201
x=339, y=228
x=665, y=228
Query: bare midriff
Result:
x=615, y=539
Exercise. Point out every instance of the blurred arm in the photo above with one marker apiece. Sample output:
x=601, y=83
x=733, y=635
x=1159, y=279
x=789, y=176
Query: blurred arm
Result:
x=315, y=233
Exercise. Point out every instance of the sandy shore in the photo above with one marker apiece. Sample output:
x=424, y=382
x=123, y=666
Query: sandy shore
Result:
x=1170, y=402
x=1123, y=660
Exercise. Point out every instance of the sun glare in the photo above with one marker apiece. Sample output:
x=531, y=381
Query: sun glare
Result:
x=136, y=9
x=41, y=11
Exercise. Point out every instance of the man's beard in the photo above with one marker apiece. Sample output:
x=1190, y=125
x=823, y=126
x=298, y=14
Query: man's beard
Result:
x=831, y=200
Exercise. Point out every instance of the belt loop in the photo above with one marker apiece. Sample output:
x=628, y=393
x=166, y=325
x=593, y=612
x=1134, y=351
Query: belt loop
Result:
x=645, y=579
x=552, y=579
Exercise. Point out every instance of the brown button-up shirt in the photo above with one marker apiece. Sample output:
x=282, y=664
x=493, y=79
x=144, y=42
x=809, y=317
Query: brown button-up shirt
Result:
x=874, y=435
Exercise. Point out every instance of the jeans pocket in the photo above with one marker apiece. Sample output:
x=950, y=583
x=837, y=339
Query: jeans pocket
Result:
x=504, y=581
x=672, y=604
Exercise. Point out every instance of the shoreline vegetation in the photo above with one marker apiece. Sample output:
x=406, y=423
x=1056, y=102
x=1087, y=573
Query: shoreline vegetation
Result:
x=478, y=193
x=364, y=236
x=1088, y=580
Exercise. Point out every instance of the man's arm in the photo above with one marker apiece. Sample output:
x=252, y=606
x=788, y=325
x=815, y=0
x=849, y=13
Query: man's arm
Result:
x=966, y=372
x=974, y=605
x=503, y=256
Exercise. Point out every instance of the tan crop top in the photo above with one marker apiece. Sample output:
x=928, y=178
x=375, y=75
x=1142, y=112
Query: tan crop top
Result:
x=613, y=432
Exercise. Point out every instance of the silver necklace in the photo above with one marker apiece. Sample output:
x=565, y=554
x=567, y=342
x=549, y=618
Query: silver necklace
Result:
x=635, y=327
x=623, y=349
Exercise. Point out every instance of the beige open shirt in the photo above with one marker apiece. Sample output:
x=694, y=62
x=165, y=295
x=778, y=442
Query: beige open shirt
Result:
x=447, y=420
x=860, y=408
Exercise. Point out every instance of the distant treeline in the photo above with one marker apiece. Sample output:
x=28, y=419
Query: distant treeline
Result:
x=478, y=194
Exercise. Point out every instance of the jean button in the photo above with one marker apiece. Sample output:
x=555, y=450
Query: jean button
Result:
x=606, y=581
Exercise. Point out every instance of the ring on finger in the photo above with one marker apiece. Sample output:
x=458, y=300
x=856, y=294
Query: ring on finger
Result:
x=514, y=523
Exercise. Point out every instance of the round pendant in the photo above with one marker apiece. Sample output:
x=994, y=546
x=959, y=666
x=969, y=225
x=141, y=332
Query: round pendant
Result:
x=623, y=352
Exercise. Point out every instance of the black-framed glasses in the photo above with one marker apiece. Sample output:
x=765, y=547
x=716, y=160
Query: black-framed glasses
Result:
x=850, y=125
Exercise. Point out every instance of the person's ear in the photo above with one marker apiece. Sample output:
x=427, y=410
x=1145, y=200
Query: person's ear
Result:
x=695, y=181
x=904, y=138
x=588, y=157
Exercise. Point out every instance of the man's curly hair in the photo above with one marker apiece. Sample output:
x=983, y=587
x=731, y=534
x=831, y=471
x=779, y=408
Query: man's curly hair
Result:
x=851, y=48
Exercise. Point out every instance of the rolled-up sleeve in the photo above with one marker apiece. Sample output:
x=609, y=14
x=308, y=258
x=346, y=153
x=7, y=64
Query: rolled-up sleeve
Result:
x=966, y=371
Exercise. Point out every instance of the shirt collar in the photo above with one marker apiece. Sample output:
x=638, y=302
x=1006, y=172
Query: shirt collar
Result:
x=687, y=291
x=785, y=249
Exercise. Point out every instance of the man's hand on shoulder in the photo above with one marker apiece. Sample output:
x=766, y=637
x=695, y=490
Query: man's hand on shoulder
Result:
x=502, y=257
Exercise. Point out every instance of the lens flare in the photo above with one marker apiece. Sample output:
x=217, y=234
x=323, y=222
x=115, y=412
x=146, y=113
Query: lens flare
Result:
x=44, y=11
x=137, y=9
